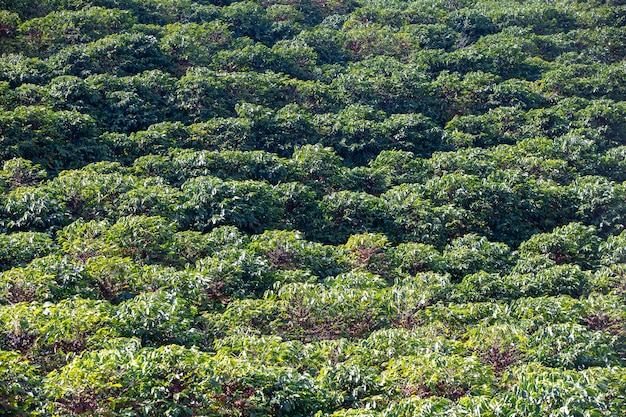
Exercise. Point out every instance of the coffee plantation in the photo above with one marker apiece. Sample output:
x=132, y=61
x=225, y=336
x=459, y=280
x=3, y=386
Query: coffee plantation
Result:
x=329, y=208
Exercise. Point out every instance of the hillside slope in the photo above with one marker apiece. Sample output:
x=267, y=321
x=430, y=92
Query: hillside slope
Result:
x=322, y=208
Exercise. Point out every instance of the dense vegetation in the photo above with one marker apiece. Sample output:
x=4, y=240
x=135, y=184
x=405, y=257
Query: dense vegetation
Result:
x=325, y=208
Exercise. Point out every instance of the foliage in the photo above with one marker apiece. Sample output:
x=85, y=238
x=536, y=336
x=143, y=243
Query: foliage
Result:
x=312, y=208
